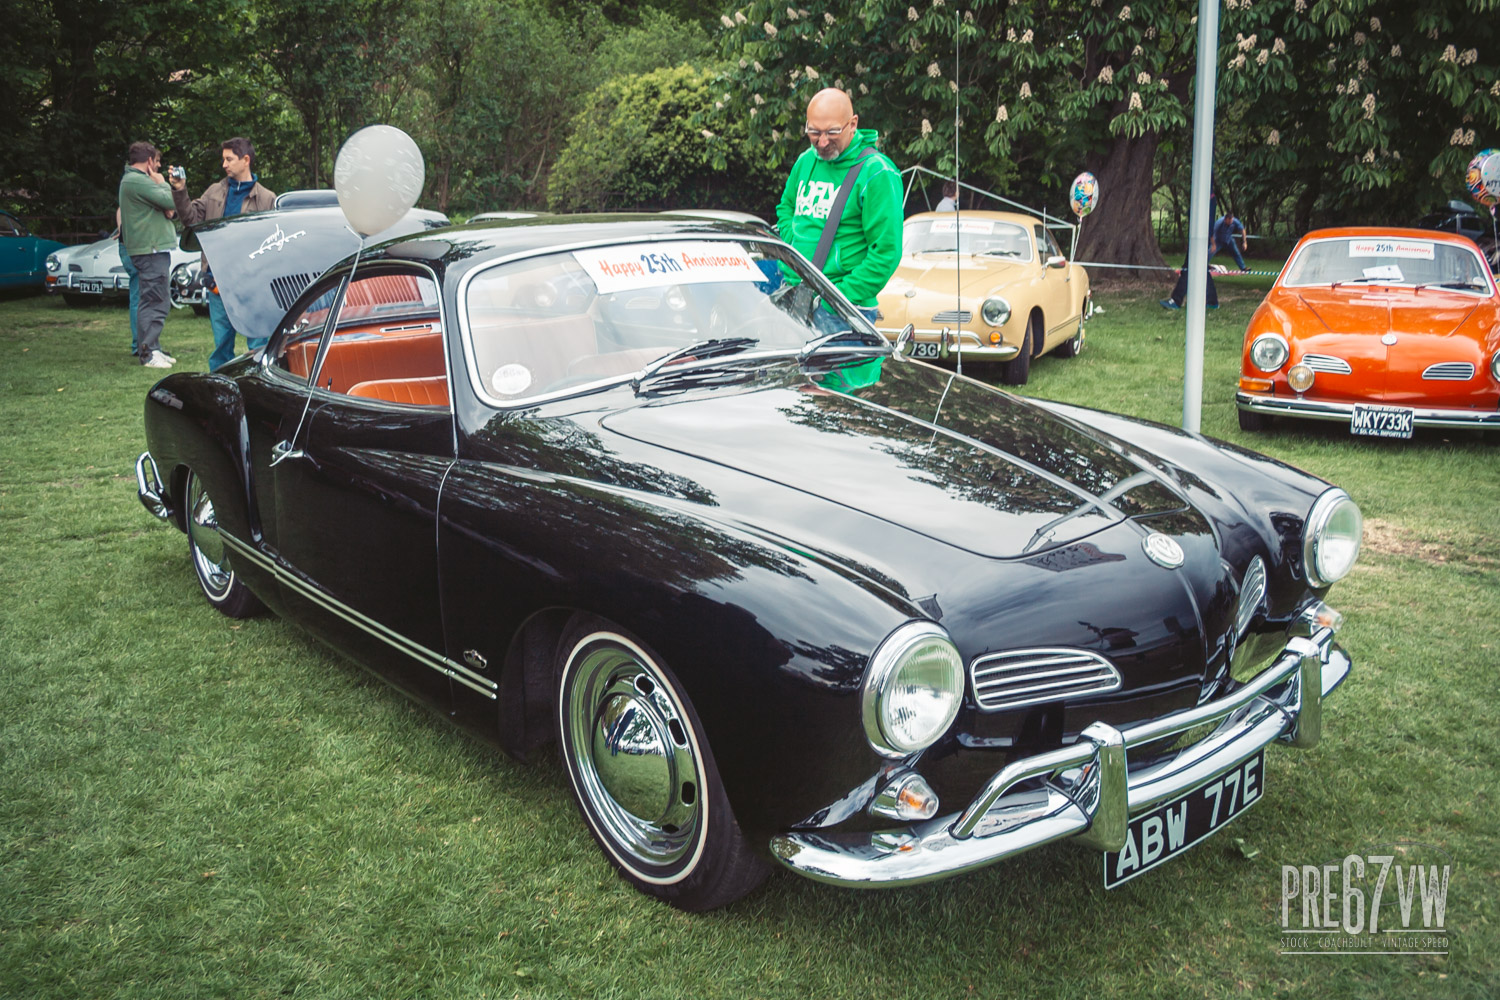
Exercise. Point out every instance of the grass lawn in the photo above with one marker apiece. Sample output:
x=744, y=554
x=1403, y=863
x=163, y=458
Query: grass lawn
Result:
x=195, y=807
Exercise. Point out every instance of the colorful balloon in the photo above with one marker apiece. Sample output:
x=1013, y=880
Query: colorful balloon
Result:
x=378, y=176
x=1489, y=175
x=1084, y=195
x=1474, y=178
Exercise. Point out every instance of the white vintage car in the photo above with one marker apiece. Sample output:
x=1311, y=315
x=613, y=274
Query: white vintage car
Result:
x=83, y=275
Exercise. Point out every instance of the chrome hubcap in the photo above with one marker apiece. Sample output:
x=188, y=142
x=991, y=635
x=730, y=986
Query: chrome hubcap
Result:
x=629, y=741
x=209, y=558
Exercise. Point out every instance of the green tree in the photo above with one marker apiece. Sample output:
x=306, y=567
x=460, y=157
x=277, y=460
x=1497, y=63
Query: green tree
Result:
x=1042, y=89
x=634, y=146
x=83, y=79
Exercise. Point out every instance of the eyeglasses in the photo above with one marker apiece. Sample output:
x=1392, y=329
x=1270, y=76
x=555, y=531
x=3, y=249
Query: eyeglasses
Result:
x=817, y=133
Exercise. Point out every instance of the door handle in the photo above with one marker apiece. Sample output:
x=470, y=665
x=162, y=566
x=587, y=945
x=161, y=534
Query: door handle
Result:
x=282, y=450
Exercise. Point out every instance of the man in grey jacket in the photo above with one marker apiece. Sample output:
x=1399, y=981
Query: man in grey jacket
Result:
x=148, y=237
x=239, y=191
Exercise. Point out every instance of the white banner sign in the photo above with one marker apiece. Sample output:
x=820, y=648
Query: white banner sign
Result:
x=1415, y=249
x=651, y=265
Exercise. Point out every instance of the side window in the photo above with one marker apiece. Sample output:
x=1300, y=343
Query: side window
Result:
x=1046, y=244
x=10, y=227
x=387, y=342
x=299, y=347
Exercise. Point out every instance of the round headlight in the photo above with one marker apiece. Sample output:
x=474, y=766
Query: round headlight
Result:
x=1299, y=377
x=1495, y=366
x=995, y=312
x=1252, y=595
x=53, y=264
x=912, y=690
x=1331, y=537
x=180, y=275
x=1269, y=352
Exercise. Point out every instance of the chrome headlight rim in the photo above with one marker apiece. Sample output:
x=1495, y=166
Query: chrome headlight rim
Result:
x=1273, y=342
x=1495, y=366
x=885, y=667
x=53, y=264
x=995, y=311
x=1315, y=548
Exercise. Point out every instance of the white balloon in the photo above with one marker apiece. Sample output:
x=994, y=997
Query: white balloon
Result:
x=378, y=176
x=1489, y=174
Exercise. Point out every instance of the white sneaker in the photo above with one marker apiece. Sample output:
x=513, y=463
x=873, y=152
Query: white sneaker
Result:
x=157, y=360
x=167, y=356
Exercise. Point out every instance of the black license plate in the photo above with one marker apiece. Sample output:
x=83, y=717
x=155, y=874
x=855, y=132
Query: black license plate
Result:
x=925, y=351
x=1168, y=830
x=91, y=287
x=1380, y=421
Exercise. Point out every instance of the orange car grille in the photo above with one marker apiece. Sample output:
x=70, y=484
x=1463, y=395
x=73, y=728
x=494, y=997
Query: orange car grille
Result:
x=1327, y=364
x=1450, y=371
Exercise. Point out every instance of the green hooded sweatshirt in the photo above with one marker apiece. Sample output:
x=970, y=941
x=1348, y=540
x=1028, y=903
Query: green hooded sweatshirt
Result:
x=867, y=247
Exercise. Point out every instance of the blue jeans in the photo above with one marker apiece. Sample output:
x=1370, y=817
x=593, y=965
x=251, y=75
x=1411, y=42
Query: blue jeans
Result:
x=135, y=293
x=224, y=334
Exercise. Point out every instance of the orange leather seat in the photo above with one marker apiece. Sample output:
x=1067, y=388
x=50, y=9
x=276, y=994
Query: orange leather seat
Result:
x=428, y=391
x=350, y=362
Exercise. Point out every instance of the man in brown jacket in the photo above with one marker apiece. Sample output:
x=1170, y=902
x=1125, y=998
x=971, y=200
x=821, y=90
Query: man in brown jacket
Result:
x=240, y=191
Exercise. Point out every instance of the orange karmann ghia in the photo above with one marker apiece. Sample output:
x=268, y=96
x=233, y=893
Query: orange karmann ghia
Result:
x=1382, y=329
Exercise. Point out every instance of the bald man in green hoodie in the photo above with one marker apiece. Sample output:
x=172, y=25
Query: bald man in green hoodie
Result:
x=867, y=243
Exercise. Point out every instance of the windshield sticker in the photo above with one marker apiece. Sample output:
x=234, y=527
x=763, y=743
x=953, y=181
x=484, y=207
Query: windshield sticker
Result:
x=642, y=265
x=1414, y=249
x=511, y=379
x=1385, y=272
x=963, y=225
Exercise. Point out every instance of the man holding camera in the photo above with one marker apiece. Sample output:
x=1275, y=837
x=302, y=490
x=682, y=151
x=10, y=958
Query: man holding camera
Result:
x=148, y=237
x=239, y=192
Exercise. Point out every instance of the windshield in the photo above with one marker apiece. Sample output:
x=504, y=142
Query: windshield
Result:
x=1387, y=261
x=986, y=236
x=558, y=321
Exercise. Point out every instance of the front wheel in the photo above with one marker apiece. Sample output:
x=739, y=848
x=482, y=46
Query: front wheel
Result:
x=1253, y=421
x=1073, y=346
x=210, y=559
x=642, y=773
x=1017, y=370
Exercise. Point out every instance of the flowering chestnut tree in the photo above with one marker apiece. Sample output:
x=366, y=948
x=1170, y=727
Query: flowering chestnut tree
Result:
x=1038, y=90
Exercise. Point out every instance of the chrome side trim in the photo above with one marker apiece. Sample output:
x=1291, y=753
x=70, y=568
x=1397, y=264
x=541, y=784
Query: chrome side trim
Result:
x=1307, y=409
x=953, y=316
x=1088, y=789
x=427, y=657
x=1449, y=371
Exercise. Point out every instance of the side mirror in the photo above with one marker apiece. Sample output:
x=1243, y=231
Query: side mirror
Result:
x=1056, y=261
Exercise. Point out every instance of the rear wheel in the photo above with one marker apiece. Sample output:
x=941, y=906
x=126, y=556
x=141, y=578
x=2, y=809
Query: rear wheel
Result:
x=1252, y=421
x=1017, y=370
x=642, y=773
x=210, y=559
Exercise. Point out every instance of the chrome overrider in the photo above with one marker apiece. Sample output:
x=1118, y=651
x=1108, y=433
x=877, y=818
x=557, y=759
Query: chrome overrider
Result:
x=148, y=487
x=1308, y=409
x=1088, y=790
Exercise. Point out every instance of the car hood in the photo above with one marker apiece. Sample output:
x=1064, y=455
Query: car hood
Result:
x=927, y=285
x=950, y=458
x=261, y=262
x=1431, y=311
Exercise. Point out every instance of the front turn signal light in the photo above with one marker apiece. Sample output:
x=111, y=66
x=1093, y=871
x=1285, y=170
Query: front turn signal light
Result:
x=1256, y=384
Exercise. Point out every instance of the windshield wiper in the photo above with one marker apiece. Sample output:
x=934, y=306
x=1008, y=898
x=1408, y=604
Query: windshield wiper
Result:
x=998, y=253
x=697, y=349
x=1481, y=286
x=1360, y=281
x=813, y=346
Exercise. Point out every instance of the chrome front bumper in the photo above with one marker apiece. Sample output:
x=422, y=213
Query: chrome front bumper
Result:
x=1088, y=790
x=951, y=343
x=148, y=487
x=1307, y=409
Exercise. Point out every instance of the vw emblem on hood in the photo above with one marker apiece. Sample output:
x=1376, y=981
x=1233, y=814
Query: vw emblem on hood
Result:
x=1162, y=550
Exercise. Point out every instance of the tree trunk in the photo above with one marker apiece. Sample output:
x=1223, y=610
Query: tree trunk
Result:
x=1119, y=230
